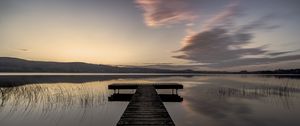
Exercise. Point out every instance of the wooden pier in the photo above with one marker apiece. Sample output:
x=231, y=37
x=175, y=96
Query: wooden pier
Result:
x=145, y=107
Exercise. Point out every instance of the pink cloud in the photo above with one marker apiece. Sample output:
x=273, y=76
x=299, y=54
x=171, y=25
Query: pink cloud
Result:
x=165, y=12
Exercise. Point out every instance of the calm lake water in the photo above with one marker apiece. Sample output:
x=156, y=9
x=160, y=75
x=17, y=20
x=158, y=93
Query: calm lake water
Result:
x=208, y=100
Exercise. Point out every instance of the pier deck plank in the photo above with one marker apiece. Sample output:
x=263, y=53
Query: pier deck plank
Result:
x=145, y=108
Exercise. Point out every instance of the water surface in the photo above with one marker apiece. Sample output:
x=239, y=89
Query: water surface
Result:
x=211, y=100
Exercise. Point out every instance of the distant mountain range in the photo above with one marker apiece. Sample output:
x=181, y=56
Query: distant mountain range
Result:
x=8, y=64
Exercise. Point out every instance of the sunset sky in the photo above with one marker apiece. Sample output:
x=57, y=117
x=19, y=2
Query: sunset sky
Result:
x=179, y=34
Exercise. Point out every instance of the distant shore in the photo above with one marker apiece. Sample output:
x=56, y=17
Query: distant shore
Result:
x=16, y=66
x=127, y=74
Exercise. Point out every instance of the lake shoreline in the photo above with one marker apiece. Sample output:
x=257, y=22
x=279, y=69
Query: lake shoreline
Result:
x=129, y=74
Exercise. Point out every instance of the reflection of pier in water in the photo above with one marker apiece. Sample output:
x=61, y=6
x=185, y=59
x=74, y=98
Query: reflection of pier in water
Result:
x=146, y=107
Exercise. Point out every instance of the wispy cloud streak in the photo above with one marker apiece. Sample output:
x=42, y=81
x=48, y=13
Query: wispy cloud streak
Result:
x=225, y=17
x=165, y=12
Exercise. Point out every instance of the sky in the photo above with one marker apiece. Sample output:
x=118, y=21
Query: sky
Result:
x=173, y=34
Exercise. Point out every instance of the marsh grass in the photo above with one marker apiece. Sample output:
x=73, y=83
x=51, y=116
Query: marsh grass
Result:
x=45, y=100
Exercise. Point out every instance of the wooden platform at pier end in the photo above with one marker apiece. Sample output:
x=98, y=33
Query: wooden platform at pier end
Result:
x=135, y=86
x=145, y=108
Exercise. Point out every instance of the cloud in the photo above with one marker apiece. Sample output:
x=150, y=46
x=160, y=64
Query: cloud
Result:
x=215, y=46
x=20, y=49
x=280, y=53
x=261, y=23
x=165, y=12
x=224, y=17
x=222, y=44
x=257, y=61
x=23, y=50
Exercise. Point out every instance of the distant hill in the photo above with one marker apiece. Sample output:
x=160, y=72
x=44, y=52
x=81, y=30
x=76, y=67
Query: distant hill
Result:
x=8, y=64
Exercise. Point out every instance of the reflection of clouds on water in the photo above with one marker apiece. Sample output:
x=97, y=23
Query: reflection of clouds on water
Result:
x=214, y=107
x=228, y=102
